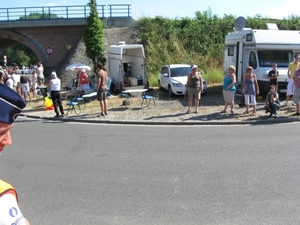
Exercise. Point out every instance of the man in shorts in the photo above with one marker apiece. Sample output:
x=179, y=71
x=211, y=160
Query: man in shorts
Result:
x=293, y=66
x=102, y=88
x=296, y=79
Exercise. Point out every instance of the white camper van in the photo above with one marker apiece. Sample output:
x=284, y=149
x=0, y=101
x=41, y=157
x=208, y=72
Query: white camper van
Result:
x=260, y=49
x=126, y=63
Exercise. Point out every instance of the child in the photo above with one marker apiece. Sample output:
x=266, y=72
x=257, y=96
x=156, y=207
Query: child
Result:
x=272, y=103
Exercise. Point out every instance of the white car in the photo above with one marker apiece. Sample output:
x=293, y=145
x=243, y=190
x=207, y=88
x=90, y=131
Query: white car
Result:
x=173, y=78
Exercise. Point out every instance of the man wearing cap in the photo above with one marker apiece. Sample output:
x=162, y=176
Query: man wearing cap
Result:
x=11, y=105
x=54, y=86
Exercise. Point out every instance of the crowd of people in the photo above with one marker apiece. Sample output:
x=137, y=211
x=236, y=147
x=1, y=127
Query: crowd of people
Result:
x=21, y=82
x=250, y=89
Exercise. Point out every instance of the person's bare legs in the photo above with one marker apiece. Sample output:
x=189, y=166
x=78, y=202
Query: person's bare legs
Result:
x=298, y=108
x=225, y=107
x=189, y=105
x=105, y=107
x=196, y=104
x=102, y=107
x=231, y=106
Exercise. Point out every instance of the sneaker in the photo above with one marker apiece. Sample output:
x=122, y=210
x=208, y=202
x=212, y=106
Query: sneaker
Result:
x=293, y=103
x=56, y=116
x=275, y=115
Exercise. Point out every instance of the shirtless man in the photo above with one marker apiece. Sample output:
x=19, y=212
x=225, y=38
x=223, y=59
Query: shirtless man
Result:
x=102, y=88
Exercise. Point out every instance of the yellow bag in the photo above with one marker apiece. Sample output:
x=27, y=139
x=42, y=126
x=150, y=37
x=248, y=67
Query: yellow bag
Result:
x=48, y=103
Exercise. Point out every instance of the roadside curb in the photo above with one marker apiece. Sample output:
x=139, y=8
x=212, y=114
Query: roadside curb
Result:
x=177, y=123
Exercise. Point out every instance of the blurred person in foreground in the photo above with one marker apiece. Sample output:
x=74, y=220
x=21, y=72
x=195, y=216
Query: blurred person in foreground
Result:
x=102, y=88
x=229, y=89
x=11, y=104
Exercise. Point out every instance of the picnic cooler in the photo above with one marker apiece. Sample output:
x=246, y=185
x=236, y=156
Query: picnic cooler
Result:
x=133, y=81
x=139, y=81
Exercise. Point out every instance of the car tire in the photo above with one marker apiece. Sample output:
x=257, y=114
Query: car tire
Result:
x=170, y=91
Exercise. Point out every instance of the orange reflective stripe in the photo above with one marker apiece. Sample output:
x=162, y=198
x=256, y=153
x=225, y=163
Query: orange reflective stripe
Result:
x=6, y=187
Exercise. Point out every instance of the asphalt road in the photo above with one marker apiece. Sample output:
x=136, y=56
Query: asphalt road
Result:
x=107, y=174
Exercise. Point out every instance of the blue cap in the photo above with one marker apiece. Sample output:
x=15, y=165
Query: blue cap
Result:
x=11, y=104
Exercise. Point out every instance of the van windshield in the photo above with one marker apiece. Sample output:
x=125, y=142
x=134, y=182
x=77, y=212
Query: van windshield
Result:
x=281, y=58
x=180, y=71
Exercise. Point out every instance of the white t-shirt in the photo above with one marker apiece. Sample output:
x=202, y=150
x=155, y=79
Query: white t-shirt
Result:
x=55, y=84
x=10, y=83
x=9, y=211
x=16, y=78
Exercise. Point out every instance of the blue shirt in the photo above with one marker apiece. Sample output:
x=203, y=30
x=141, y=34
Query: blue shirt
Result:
x=227, y=82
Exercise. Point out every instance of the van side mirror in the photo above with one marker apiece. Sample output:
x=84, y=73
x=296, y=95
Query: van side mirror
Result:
x=165, y=75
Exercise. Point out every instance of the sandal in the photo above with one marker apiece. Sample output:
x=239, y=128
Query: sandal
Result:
x=189, y=111
x=223, y=111
x=253, y=114
x=231, y=112
x=246, y=112
x=196, y=111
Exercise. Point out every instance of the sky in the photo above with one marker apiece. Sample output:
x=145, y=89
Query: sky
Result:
x=276, y=9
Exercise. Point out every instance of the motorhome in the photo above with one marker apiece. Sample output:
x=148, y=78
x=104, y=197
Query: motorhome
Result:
x=260, y=49
x=126, y=65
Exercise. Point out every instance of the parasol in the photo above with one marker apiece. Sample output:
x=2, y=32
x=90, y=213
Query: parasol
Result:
x=78, y=66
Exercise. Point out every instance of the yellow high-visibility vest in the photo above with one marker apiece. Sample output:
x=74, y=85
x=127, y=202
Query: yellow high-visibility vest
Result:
x=6, y=187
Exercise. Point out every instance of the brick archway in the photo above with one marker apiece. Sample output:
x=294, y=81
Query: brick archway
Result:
x=9, y=38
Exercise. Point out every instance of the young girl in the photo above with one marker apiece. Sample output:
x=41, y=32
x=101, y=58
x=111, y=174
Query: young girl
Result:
x=272, y=103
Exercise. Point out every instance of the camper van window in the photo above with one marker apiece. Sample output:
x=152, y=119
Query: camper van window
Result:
x=230, y=51
x=179, y=72
x=249, y=37
x=252, y=60
x=281, y=58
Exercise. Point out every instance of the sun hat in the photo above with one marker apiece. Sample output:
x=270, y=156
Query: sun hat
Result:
x=194, y=66
x=53, y=75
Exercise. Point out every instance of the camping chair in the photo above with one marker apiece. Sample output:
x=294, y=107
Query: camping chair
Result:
x=78, y=98
x=71, y=108
x=147, y=96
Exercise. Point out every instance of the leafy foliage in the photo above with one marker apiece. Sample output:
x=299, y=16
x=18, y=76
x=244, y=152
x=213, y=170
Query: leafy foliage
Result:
x=36, y=15
x=199, y=40
x=21, y=55
x=93, y=36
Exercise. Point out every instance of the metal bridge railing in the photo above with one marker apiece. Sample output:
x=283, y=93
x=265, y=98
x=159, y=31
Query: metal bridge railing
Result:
x=63, y=12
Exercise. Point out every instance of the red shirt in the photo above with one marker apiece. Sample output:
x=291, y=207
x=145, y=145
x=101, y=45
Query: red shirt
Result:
x=83, y=79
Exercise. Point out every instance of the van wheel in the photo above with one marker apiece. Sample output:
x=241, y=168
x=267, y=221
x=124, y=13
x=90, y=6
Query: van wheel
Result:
x=170, y=91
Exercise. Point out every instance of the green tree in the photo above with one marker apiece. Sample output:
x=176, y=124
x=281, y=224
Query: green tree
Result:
x=93, y=36
x=20, y=54
x=36, y=16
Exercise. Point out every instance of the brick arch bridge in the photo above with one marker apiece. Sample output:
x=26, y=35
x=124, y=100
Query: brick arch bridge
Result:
x=49, y=44
x=51, y=39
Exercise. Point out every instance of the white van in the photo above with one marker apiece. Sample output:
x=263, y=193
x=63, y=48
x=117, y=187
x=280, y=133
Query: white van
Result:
x=126, y=63
x=260, y=49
